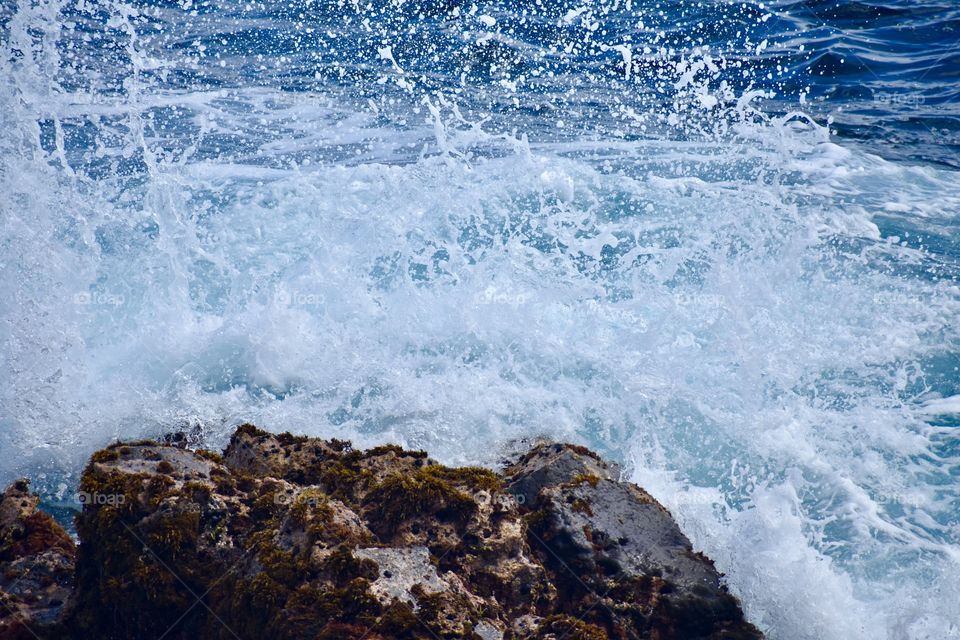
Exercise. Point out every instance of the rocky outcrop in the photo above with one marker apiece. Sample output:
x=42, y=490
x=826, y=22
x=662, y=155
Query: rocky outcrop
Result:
x=36, y=567
x=292, y=537
x=616, y=553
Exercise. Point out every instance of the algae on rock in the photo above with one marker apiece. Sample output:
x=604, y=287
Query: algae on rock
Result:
x=285, y=536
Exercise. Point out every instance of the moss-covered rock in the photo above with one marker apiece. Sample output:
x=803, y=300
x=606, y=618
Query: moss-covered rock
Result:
x=36, y=567
x=285, y=536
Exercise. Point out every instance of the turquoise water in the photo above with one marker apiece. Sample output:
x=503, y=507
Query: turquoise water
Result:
x=715, y=241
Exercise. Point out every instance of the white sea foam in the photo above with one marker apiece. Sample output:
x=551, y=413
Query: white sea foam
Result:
x=733, y=319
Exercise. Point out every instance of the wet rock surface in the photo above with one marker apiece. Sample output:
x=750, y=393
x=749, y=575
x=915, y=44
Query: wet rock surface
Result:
x=291, y=537
x=36, y=567
x=615, y=552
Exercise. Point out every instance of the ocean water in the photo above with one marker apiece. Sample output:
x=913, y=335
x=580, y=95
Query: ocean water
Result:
x=716, y=241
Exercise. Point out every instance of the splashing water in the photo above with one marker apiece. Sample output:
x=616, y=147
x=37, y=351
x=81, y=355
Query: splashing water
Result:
x=449, y=225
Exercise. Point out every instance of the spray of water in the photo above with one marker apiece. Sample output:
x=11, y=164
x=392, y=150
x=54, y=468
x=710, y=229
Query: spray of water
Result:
x=760, y=323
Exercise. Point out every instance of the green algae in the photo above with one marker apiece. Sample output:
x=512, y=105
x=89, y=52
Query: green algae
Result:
x=399, y=498
x=584, y=478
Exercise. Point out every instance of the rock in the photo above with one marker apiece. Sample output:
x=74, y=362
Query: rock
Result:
x=400, y=570
x=292, y=537
x=36, y=567
x=615, y=553
x=550, y=464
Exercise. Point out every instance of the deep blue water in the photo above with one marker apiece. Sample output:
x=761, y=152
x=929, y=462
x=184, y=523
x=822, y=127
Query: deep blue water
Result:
x=717, y=241
x=885, y=75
